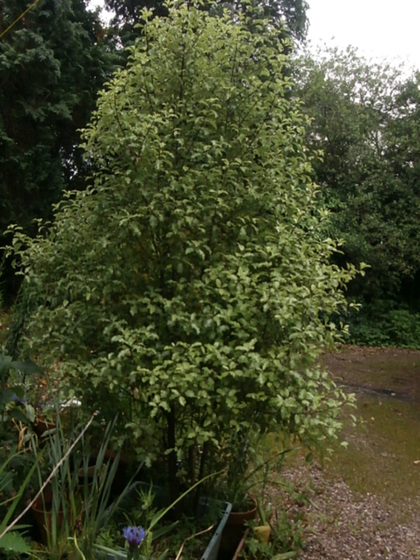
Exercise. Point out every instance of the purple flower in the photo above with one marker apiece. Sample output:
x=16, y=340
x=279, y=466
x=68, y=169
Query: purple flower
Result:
x=18, y=400
x=134, y=535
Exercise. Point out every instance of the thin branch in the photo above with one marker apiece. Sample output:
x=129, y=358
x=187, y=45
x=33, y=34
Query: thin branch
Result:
x=22, y=15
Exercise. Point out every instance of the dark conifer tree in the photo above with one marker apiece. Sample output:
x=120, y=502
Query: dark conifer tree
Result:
x=289, y=14
x=52, y=63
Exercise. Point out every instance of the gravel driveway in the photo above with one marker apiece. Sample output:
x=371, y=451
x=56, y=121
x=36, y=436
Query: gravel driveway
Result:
x=340, y=523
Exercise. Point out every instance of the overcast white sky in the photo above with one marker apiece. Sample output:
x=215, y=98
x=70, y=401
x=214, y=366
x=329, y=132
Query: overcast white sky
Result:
x=379, y=28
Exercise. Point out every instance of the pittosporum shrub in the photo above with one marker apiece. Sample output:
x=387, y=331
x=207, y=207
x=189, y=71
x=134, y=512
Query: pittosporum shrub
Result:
x=189, y=286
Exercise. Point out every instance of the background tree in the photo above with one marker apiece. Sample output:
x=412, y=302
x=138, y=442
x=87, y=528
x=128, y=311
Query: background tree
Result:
x=52, y=64
x=290, y=15
x=365, y=119
x=192, y=280
x=402, y=139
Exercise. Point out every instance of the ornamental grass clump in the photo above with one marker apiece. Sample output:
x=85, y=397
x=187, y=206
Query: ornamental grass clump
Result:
x=189, y=286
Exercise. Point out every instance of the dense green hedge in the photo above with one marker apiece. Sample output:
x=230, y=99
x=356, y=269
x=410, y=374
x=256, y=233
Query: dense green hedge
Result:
x=385, y=323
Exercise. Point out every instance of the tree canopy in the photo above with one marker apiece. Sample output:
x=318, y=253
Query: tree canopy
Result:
x=364, y=120
x=290, y=15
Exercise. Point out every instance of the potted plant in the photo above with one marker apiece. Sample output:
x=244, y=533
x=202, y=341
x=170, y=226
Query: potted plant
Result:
x=140, y=542
x=74, y=499
x=239, y=530
x=276, y=533
x=48, y=514
x=244, y=484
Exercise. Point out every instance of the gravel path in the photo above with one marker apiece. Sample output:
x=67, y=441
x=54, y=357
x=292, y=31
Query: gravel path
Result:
x=341, y=525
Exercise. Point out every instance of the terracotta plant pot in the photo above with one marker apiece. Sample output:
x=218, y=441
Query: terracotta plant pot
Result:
x=43, y=514
x=235, y=529
x=42, y=426
x=239, y=516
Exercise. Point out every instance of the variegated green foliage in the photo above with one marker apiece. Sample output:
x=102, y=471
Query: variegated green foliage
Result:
x=189, y=286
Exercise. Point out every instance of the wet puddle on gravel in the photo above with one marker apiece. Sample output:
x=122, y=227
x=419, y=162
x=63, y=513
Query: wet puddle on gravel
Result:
x=383, y=453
